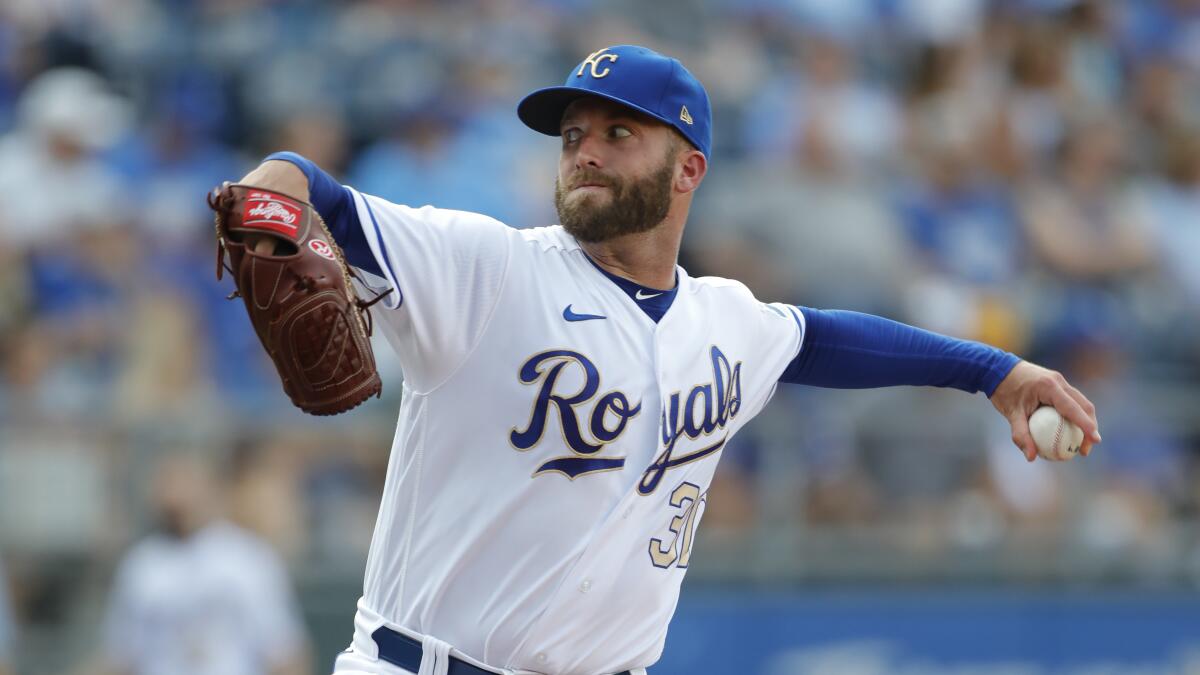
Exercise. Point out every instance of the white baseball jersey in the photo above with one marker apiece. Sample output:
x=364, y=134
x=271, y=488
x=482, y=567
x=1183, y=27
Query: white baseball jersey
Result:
x=216, y=603
x=554, y=443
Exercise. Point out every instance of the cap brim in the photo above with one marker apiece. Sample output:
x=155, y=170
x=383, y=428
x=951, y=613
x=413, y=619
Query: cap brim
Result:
x=542, y=110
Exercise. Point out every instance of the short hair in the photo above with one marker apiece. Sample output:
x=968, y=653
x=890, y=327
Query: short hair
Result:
x=678, y=141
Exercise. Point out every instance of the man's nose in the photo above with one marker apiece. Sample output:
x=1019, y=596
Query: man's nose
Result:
x=589, y=153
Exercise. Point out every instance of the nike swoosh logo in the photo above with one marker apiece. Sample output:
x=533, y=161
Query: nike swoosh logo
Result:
x=572, y=316
x=647, y=296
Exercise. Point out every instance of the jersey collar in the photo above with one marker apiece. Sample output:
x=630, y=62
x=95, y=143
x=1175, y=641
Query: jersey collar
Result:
x=654, y=302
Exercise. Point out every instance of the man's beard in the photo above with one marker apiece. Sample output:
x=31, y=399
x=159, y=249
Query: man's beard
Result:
x=635, y=205
x=173, y=524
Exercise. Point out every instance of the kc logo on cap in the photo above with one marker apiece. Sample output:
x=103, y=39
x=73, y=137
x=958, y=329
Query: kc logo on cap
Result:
x=639, y=78
x=594, y=60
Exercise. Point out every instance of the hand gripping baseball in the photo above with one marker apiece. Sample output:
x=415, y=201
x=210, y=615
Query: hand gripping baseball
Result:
x=1029, y=386
x=297, y=290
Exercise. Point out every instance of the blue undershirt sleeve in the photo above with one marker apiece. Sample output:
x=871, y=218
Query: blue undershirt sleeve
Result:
x=850, y=350
x=336, y=206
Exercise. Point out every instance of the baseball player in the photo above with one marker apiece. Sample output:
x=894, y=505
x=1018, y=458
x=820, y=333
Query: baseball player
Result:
x=568, y=390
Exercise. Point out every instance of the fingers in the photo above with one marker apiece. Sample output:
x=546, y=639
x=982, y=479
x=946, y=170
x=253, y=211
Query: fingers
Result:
x=1026, y=387
x=1070, y=403
x=1091, y=433
x=1021, y=436
x=261, y=244
x=264, y=246
x=1069, y=408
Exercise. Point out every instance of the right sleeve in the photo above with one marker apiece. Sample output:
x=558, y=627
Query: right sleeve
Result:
x=445, y=271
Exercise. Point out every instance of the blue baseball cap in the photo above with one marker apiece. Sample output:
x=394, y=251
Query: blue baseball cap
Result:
x=637, y=77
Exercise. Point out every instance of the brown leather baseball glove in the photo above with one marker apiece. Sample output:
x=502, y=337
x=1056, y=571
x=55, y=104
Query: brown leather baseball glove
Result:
x=297, y=290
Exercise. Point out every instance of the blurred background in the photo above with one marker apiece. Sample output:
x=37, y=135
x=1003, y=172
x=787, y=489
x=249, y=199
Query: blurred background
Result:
x=1023, y=172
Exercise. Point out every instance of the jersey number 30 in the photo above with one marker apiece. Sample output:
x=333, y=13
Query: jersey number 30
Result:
x=678, y=551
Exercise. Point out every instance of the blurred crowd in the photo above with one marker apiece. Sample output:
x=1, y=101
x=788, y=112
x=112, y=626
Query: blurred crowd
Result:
x=1023, y=172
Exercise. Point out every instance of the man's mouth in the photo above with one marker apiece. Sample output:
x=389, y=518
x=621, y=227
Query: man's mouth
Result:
x=589, y=185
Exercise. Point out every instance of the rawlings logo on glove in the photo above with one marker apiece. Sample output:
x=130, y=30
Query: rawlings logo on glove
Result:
x=298, y=294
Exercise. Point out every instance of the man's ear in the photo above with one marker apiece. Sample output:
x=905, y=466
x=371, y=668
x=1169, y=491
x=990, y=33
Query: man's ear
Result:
x=691, y=171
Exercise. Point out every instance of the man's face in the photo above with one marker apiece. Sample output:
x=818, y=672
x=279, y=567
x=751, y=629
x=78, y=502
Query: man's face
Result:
x=182, y=492
x=616, y=173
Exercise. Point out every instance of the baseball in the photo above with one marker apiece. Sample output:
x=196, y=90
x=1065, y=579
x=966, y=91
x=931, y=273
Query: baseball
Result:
x=1056, y=438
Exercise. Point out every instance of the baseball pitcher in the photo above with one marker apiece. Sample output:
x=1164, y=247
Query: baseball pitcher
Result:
x=568, y=390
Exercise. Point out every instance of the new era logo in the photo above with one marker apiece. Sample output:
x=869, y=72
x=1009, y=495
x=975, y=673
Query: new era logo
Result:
x=685, y=115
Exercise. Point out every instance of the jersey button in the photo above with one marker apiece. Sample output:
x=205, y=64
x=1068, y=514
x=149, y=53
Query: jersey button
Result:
x=541, y=657
x=586, y=585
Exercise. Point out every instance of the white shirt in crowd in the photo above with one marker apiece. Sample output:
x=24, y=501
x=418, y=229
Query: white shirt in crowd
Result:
x=216, y=603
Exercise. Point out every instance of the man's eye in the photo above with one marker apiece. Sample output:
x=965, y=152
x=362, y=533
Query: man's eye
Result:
x=621, y=132
x=571, y=135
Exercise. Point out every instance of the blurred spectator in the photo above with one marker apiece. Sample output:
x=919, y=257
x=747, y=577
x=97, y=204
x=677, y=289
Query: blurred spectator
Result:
x=1175, y=204
x=1161, y=103
x=960, y=219
x=172, y=159
x=318, y=134
x=811, y=237
x=949, y=105
x=64, y=360
x=8, y=628
x=1175, y=210
x=1143, y=456
x=14, y=294
x=942, y=21
x=1093, y=61
x=1033, y=114
x=65, y=213
x=162, y=376
x=51, y=184
x=815, y=229
x=341, y=491
x=263, y=489
x=1165, y=27
x=459, y=152
x=899, y=435
x=1089, y=232
x=201, y=595
x=822, y=110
